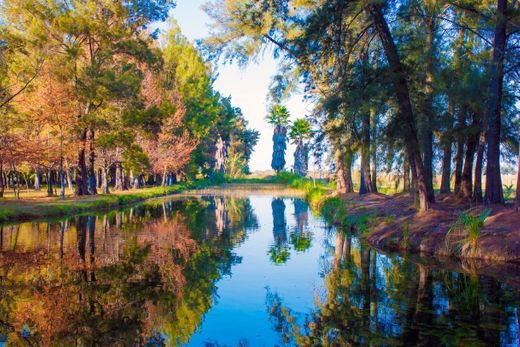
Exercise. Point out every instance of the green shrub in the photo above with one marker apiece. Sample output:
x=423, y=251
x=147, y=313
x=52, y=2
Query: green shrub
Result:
x=508, y=191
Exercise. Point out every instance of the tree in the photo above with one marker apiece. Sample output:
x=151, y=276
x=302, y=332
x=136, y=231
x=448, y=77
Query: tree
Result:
x=299, y=132
x=278, y=117
x=404, y=106
x=494, y=193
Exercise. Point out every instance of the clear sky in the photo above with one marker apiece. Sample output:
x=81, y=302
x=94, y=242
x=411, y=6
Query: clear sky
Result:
x=248, y=87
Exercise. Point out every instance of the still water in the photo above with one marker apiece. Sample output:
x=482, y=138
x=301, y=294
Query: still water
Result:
x=227, y=271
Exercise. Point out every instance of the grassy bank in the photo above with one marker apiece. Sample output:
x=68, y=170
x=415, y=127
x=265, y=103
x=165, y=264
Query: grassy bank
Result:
x=452, y=228
x=40, y=207
x=22, y=210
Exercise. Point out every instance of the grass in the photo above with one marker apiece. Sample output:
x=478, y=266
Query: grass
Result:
x=315, y=189
x=19, y=210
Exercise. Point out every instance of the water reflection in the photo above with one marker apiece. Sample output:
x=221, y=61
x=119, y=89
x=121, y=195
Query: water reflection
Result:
x=195, y=271
x=376, y=300
x=301, y=237
x=279, y=251
x=143, y=275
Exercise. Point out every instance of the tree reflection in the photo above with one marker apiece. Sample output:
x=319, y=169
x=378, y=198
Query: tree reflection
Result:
x=279, y=251
x=143, y=276
x=375, y=300
x=301, y=238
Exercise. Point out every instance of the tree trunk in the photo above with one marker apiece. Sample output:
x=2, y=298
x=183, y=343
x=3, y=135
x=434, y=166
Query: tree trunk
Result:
x=118, y=177
x=125, y=179
x=413, y=171
x=446, y=167
x=427, y=111
x=373, y=148
x=17, y=187
x=340, y=172
x=494, y=193
x=104, y=179
x=37, y=180
x=459, y=156
x=131, y=178
x=406, y=175
x=349, y=184
x=9, y=179
x=164, y=177
x=365, y=184
x=50, y=182
x=99, y=178
x=301, y=159
x=220, y=156
x=81, y=172
x=62, y=180
x=150, y=180
x=26, y=179
x=279, y=147
x=477, y=189
x=92, y=185
x=471, y=145
x=2, y=184
x=405, y=113
x=446, y=141
x=69, y=175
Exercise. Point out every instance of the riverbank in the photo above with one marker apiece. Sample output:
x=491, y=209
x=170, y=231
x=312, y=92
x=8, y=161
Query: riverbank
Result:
x=451, y=228
x=53, y=207
x=42, y=207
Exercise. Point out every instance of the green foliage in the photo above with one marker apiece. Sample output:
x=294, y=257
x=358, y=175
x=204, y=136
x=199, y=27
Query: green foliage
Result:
x=300, y=130
x=279, y=254
x=236, y=165
x=278, y=116
x=301, y=241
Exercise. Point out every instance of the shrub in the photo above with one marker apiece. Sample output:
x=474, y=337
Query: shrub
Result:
x=471, y=226
x=508, y=191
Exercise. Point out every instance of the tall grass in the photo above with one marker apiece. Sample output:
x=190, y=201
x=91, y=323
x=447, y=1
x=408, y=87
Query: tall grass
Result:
x=315, y=189
x=470, y=226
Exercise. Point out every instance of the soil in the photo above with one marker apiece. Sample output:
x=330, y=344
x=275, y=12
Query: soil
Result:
x=399, y=227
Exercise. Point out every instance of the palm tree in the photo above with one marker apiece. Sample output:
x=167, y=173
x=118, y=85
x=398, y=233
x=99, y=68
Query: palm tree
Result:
x=278, y=117
x=300, y=131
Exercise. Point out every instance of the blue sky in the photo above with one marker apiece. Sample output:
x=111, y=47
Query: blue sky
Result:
x=247, y=86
